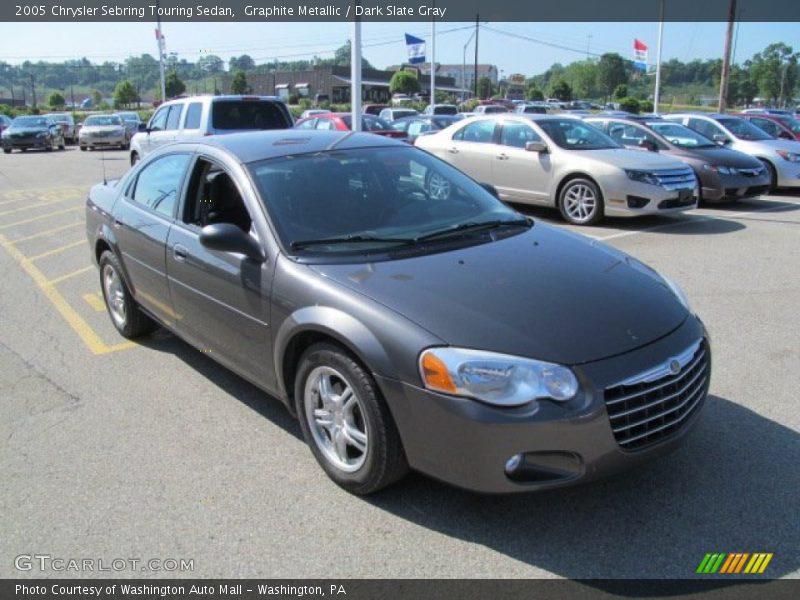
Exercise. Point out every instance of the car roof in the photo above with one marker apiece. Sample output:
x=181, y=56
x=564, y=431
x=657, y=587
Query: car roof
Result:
x=251, y=146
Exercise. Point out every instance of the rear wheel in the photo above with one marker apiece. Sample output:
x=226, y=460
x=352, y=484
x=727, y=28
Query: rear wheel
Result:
x=125, y=314
x=346, y=422
x=83, y=148
x=581, y=202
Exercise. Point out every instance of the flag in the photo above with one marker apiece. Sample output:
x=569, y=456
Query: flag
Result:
x=639, y=55
x=416, y=49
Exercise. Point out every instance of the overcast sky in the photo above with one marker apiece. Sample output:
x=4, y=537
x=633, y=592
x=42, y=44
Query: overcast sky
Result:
x=383, y=42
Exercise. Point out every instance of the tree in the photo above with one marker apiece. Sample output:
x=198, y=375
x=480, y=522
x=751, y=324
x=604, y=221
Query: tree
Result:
x=774, y=70
x=342, y=55
x=241, y=63
x=97, y=98
x=621, y=91
x=125, y=94
x=239, y=84
x=561, y=90
x=611, y=72
x=174, y=86
x=210, y=64
x=403, y=82
x=56, y=100
x=532, y=92
x=484, y=88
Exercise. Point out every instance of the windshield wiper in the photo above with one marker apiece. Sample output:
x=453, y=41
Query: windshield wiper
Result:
x=473, y=227
x=349, y=239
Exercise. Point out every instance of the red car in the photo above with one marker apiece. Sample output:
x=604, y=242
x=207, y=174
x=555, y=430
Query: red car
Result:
x=342, y=121
x=778, y=126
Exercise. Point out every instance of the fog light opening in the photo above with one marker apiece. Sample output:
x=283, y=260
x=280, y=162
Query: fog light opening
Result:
x=513, y=463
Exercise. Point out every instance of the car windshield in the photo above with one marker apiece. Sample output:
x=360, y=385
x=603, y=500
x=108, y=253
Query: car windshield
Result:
x=680, y=136
x=572, y=134
x=368, y=123
x=129, y=116
x=59, y=118
x=791, y=123
x=744, y=130
x=30, y=122
x=103, y=120
x=399, y=114
x=373, y=200
x=247, y=114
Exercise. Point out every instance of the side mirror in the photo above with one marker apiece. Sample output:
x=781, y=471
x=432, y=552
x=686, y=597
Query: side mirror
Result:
x=142, y=127
x=648, y=145
x=491, y=189
x=540, y=147
x=226, y=237
x=721, y=139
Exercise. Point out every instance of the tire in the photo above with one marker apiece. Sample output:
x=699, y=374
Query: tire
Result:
x=83, y=148
x=51, y=146
x=62, y=145
x=125, y=314
x=581, y=202
x=437, y=186
x=6, y=150
x=355, y=440
x=773, y=175
x=134, y=157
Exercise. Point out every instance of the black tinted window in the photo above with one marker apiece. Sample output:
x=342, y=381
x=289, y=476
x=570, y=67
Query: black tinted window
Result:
x=158, y=183
x=247, y=114
x=193, y=113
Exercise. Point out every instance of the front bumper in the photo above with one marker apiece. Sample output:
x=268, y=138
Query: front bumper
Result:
x=627, y=198
x=720, y=188
x=466, y=443
x=26, y=143
x=788, y=173
x=96, y=142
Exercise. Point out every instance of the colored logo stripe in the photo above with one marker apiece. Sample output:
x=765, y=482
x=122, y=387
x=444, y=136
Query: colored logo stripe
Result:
x=734, y=562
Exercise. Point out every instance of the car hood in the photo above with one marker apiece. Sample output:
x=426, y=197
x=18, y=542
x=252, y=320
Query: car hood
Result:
x=630, y=159
x=27, y=130
x=720, y=156
x=545, y=294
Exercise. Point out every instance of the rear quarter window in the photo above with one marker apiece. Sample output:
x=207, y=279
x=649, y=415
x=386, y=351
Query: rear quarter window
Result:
x=193, y=112
x=246, y=114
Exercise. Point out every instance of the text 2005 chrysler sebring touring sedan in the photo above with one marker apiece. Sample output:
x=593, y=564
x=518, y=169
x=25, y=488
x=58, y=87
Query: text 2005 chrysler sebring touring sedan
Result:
x=405, y=328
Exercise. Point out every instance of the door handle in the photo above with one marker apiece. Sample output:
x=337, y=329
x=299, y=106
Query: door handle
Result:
x=453, y=150
x=180, y=252
x=502, y=157
x=118, y=223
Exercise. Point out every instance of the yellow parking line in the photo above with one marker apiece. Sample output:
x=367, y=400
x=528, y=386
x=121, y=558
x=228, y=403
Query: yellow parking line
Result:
x=40, y=217
x=56, y=250
x=95, y=301
x=12, y=196
x=78, y=324
x=32, y=206
x=71, y=275
x=47, y=232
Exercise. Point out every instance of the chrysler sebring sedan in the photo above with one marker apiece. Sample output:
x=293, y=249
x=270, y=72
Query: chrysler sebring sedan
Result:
x=407, y=317
x=563, y=162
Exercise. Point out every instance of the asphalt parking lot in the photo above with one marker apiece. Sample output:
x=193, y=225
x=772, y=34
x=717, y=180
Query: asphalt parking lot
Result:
x=111, y=449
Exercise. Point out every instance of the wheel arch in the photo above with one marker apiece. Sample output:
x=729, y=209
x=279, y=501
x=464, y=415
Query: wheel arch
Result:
x=576, y=175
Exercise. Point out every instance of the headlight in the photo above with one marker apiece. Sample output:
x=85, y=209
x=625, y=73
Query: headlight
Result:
x=675, y=289
x=642, y=176
x=790, y=156
x=719, y=169
x=497, y=379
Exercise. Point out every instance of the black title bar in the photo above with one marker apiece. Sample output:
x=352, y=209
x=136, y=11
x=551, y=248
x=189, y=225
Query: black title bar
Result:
x=396, y=10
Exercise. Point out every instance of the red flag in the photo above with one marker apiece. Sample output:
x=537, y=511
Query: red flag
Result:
x=637, y=45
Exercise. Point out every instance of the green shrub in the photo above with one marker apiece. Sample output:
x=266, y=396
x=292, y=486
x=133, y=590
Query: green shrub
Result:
x=629, y=104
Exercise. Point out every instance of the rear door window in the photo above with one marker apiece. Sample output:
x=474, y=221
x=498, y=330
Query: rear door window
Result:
x=247, y=114
x=193, y=113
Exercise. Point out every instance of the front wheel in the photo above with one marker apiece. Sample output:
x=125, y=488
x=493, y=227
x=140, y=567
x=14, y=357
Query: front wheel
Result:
x=125, y=314
x=773, y=175
x=83, y=148
x=346, y=422
x=6, y=150
x=581, y=202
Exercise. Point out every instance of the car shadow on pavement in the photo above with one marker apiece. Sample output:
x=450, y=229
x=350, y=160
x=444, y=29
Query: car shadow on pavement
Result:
x=226, y=380
x=732, y=487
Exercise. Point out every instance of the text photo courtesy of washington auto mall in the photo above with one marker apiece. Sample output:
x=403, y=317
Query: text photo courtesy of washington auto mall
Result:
x=452, y=299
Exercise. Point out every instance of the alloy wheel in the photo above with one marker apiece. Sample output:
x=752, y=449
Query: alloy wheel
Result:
x=115, y=295
x=580, y=202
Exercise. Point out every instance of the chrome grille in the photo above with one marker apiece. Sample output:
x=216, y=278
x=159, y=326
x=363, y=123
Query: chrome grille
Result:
x=653, y=405
x=676, y=179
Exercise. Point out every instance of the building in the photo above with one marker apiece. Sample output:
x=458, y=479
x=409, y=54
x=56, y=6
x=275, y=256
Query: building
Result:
x=330, y=81
x=455, y=73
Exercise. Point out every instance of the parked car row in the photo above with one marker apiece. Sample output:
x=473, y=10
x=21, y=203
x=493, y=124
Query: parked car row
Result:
x=30, y=132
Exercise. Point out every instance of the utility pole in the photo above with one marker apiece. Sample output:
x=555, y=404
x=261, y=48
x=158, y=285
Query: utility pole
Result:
x=355, y=73
x=477, y=16
x=433, y=64
x=33, y=90
x=657, y=93
x=160, y=37
x=726, y=59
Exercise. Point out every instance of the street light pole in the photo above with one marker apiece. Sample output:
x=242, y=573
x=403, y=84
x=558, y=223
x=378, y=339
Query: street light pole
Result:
x=355, y=73
x=160, y=37
x=464, y=68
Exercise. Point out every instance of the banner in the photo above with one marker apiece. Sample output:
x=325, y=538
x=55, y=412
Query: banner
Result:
x=639, y=55
x=416, y=49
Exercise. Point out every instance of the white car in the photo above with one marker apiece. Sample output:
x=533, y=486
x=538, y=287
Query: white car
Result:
x=209, y=115
x=103, y=131
x=781, y=157
x=563, y=163
x=392, y=114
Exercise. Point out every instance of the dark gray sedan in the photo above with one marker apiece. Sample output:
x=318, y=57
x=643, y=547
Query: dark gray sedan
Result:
x=403, y=313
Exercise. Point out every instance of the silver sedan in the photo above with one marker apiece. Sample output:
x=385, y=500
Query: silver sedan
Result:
x=564, y=163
